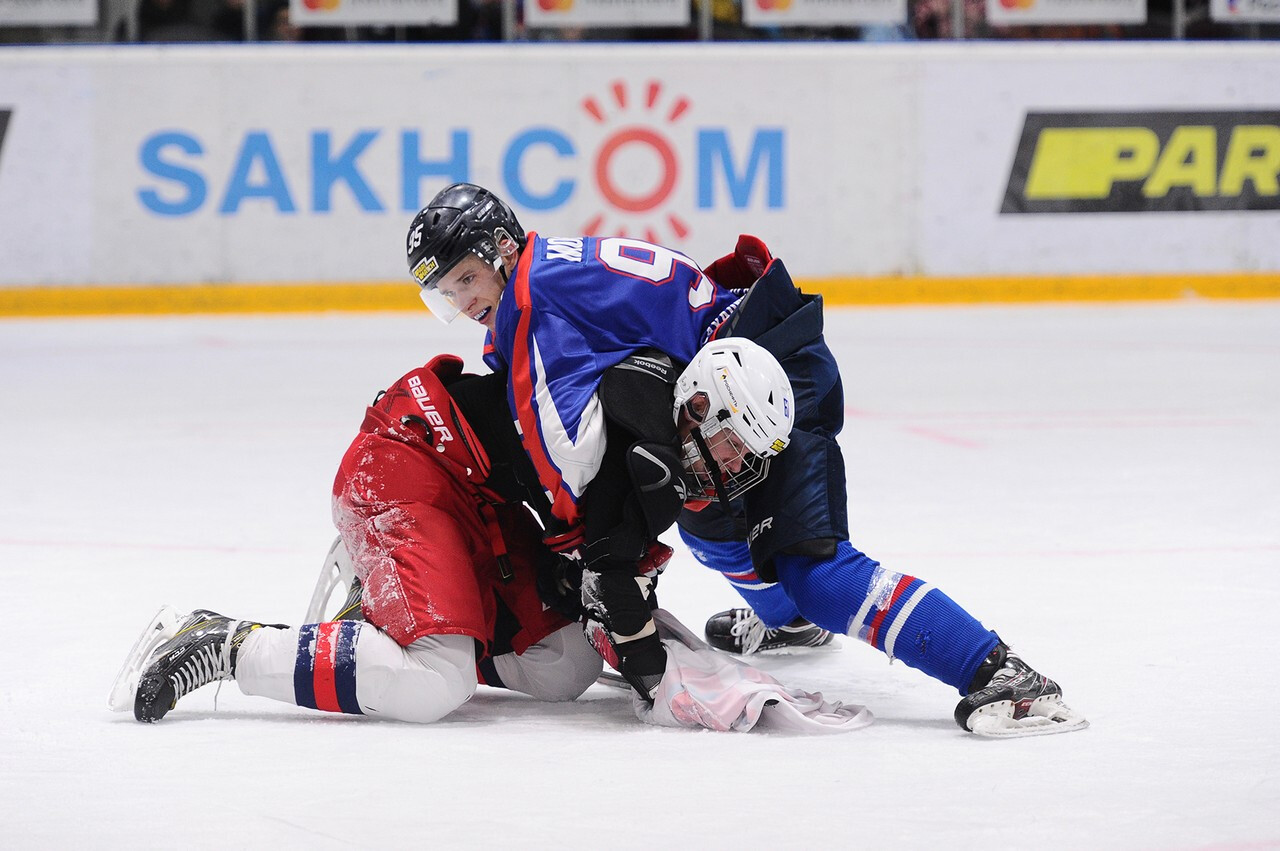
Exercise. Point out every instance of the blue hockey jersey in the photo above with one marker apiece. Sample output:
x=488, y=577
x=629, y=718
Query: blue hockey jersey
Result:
x=574, y=308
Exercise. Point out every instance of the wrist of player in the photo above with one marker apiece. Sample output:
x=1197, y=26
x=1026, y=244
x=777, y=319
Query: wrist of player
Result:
x=643, y=663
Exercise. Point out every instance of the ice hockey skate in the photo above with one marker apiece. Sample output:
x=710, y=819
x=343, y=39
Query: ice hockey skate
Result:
x=742, y=632
x=1014, y=701
x=174, y=656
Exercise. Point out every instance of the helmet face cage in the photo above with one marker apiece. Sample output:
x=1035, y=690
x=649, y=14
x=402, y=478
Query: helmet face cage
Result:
x=722, y=466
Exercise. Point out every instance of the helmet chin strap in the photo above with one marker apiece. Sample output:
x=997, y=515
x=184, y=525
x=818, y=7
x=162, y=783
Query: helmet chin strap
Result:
x=712, y=467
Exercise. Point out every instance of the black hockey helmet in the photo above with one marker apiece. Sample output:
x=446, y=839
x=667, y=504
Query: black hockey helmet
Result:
x=462, y=219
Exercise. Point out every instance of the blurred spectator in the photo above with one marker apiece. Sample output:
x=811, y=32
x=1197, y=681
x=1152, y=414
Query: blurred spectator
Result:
x=171, y=20
x=274, y=24
x=228, y=20
x=933, y=19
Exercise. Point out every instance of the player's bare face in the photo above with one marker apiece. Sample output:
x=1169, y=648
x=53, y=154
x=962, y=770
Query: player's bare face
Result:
x=474, y=287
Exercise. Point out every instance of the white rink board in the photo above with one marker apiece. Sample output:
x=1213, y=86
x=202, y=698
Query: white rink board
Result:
x=849, y=160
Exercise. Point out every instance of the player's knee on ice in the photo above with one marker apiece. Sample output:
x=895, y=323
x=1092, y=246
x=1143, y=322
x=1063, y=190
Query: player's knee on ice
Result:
x=423, y=682
x=559, y=667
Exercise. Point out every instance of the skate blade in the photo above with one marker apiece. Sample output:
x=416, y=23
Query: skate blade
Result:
x=331, y=577
x=1045, y=718
x=833, y=646
x=163, y=627
x=612, y=680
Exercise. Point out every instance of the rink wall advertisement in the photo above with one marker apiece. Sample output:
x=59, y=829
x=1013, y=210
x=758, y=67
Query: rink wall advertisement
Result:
x=606, y=13
x=1244, y=11
x=48, y=13
x=805, y=13
x=1133, y=162
x=1020, y=12
x=271, y=165
x=330, y=13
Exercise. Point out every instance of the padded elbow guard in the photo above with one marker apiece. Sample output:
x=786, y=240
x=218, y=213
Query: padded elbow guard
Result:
x=658, y=478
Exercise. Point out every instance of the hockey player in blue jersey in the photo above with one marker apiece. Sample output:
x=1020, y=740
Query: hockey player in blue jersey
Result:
x=593, y=331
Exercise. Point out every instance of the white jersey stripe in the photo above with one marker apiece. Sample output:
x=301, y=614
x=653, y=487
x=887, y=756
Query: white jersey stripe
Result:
x=577, y=462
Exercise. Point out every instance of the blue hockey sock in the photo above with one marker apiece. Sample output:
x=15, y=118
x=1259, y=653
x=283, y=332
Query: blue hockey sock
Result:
x=901, y=615
x=732, y=558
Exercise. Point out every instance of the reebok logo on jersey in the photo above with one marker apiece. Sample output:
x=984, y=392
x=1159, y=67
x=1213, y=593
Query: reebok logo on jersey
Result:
x=4, y=125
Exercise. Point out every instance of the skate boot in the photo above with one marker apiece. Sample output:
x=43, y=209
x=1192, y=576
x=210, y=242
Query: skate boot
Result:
x=176, y=655
x=1008, y=699
x=351, y=609
x=741, y=631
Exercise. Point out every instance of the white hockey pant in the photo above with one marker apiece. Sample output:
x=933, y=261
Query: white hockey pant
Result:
x=426, y=680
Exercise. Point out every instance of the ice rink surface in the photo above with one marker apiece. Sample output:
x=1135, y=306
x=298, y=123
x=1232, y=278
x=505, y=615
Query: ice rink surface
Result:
x=1100, y=484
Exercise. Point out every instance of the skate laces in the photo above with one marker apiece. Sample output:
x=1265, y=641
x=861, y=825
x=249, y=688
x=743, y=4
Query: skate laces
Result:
x=749, y=630
x=207, y=662
x=1013, y=666
x=224, y=661
x=224, y=666
x=1019, y=681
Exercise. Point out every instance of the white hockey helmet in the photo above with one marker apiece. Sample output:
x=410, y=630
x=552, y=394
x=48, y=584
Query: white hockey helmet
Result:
x=739, y=402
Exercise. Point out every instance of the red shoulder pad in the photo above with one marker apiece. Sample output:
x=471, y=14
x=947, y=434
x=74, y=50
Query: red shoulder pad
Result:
x=419, y=409
x=446, y=366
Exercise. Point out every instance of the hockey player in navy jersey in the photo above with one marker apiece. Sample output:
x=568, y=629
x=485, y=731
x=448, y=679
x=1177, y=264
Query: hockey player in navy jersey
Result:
x=593, y=332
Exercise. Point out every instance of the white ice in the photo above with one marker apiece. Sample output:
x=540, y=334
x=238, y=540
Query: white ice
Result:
x=1100, y=484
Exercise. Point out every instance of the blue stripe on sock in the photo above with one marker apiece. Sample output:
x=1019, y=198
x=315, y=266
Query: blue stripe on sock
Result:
x=344, y=667
x=304, y=689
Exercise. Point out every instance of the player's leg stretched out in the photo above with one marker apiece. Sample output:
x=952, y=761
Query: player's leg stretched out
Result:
x=901, y=616
x=908, y=619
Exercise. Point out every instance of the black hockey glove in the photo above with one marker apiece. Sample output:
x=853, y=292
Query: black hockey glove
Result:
x=560, y=584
